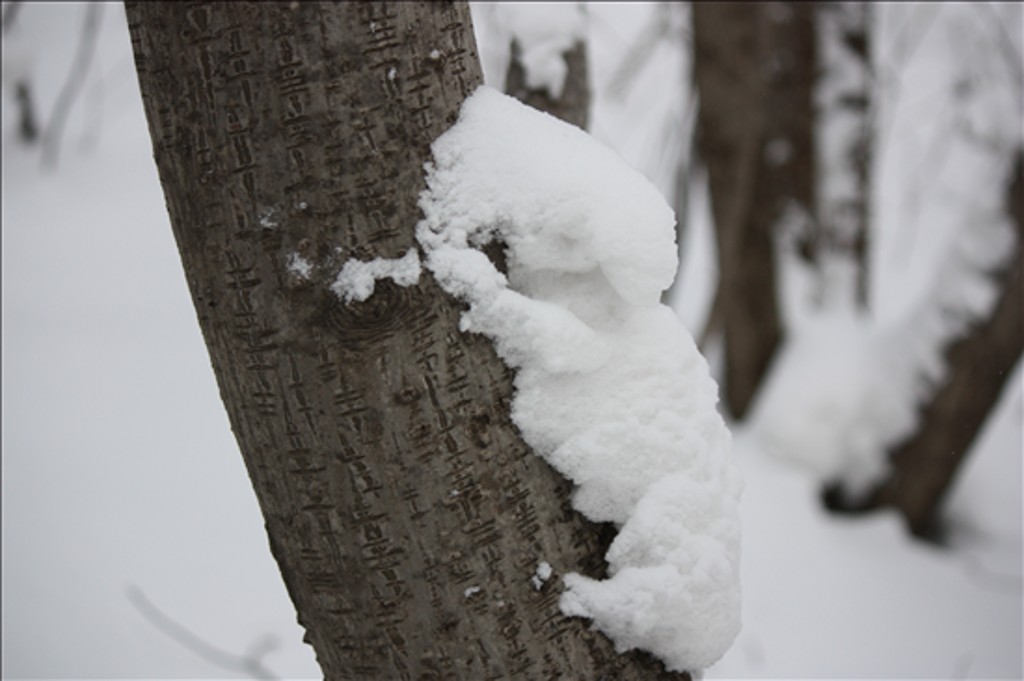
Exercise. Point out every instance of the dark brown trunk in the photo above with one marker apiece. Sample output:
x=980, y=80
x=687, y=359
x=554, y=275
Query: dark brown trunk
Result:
x=845, y=129
x=573, y=105
x=405, y=513
x=978, y=368
x=753, y=66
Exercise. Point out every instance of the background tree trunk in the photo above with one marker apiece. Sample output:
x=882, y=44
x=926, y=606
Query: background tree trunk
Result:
x=978, y=367
x=753, y=68
x=573, y=106
x=406, y=515
x=843, y=146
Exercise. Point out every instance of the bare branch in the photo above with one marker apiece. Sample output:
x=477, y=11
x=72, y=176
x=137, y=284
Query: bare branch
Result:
x=72, y=85
x=245, y=664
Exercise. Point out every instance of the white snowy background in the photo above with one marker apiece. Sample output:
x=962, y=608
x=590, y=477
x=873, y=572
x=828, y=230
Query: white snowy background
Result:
x=120, y=474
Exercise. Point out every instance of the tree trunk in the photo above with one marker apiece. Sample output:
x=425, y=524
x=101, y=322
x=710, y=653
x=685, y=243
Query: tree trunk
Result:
x=753, y=67
x=978, y=367
x=843, y=141
x=406, y=515
x=573, y=106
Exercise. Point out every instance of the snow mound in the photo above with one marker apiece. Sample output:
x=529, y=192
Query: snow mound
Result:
x=835, y=413
x=610, y=388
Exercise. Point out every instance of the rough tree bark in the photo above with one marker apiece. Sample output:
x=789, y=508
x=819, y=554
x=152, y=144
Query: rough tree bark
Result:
x=924, y=466
x=753, y=68
x=405, y=513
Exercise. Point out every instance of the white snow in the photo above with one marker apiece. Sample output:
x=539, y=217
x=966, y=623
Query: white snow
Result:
x=833, y=416
x=266, y=217
x=544, y=31
x=541, y=575
x=829, y=597
x=357, y=278
x=299, y=266
x=610, y=387
x=471, y=591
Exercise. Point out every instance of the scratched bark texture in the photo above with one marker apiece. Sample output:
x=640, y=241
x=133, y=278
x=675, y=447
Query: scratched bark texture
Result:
x=406, y=515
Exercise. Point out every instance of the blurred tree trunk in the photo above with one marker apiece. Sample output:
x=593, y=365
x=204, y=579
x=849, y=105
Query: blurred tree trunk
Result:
x=572, y=104
x=978, y=367
x=840, y=232
x=405, y=514
x=754, y=71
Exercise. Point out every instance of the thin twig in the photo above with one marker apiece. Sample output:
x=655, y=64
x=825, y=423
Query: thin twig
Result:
x=72, y=85
x=245, y=664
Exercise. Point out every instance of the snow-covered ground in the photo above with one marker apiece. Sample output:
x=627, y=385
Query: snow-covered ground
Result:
x=120, y=471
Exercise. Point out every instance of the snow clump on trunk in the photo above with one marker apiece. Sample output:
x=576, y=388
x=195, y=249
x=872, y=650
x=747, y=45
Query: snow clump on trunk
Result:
x=610, y=388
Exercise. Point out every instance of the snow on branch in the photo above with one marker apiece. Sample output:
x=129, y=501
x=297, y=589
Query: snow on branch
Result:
x=610, y=387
